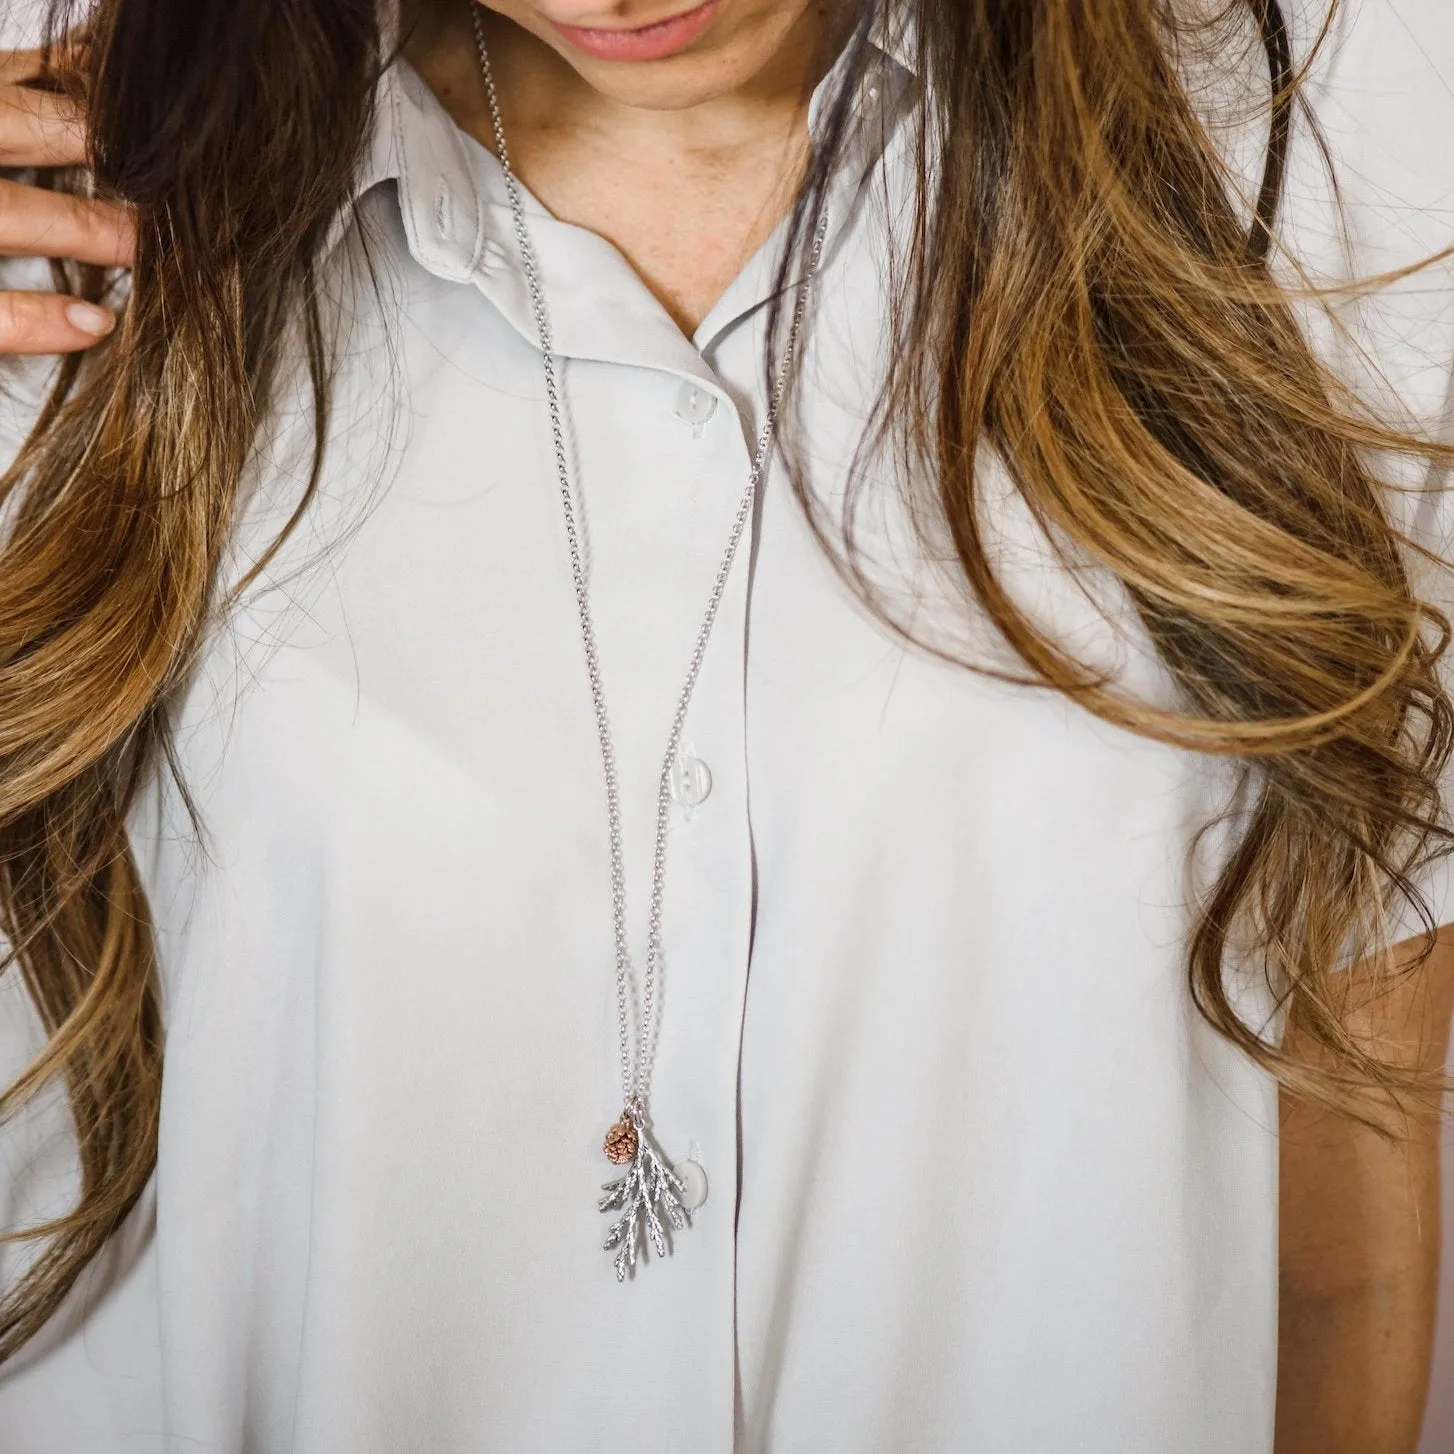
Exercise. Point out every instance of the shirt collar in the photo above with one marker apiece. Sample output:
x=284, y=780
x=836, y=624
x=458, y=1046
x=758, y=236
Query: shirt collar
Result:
x=456, y=218
x=896, y=38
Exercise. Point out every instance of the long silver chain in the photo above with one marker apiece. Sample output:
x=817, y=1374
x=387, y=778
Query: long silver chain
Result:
x=635, y=1068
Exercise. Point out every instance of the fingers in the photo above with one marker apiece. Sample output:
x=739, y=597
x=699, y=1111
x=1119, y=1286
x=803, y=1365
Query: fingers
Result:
x=50, y=323
x=40, y=129
x=35, y=223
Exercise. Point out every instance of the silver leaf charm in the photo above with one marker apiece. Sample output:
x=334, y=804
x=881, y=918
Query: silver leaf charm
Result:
x=649, y=1198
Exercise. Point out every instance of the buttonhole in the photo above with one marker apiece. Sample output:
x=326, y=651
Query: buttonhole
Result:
x=444, y=211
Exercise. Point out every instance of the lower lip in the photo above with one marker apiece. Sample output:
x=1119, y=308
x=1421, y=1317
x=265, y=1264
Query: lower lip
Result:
x=649, y=43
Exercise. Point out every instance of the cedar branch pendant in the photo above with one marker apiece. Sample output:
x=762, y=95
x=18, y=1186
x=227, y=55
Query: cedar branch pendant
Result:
x=648, y=1195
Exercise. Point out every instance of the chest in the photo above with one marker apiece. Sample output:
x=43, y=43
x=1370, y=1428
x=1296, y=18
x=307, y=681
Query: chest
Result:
x=687, y=221
x=440, y=596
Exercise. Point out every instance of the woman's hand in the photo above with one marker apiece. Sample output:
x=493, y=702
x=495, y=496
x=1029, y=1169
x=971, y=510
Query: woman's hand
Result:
x=43, y=129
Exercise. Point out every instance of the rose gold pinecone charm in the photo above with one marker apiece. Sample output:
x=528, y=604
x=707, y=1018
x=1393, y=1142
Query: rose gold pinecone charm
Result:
x=622, y=1142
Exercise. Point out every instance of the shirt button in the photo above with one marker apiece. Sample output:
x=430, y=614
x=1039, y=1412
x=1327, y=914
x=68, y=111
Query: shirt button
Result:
x=871, y=97
x=695, y=405
x=693, y=1178
x=691, y=781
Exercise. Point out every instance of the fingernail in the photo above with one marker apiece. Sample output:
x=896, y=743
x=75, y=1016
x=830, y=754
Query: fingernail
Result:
x=91, y=319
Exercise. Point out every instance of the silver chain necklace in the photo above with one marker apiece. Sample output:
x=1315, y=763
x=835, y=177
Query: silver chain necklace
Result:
x=648, y=1195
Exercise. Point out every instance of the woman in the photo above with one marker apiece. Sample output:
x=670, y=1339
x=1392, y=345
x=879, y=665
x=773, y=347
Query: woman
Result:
x=789, y=609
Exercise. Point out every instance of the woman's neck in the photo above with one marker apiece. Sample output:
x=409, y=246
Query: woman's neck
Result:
x=686, y=193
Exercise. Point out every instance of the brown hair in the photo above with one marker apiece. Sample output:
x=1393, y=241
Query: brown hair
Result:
x=1102, y=321
x=1095, y=313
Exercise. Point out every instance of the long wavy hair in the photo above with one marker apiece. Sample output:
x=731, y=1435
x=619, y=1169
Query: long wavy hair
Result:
x=1095, y=311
